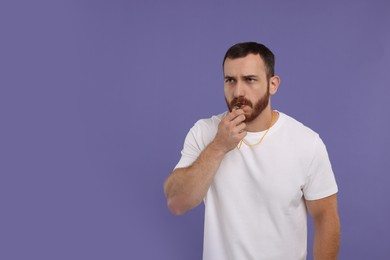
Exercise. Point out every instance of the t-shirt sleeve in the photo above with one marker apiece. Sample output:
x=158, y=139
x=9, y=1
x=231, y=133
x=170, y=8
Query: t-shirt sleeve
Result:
x=320, y=181
x=191, y=149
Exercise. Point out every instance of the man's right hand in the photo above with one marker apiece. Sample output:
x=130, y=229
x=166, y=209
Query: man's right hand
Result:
x=186, y=187
x=230, y=131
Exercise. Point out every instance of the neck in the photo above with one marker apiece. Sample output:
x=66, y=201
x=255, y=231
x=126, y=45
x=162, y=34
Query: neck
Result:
x=263, y=121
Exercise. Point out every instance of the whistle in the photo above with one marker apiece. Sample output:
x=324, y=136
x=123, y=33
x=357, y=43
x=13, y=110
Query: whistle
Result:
x=237, y=106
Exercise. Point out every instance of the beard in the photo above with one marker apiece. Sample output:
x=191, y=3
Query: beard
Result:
x=257, y=108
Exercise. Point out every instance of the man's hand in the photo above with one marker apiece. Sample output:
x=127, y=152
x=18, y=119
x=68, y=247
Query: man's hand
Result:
x=230, y=130
x=186, y=187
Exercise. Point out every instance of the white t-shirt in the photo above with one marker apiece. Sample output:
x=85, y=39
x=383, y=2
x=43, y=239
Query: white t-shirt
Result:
x=255, y=207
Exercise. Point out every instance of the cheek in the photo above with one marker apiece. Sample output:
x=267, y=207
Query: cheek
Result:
x=228, y=93
x=260, y=91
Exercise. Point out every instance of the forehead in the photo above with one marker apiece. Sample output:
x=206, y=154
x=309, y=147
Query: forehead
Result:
x=252, y=64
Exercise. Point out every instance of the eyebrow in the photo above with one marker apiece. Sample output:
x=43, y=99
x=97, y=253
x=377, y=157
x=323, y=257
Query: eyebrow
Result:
x=250, y=76
x=245, y=77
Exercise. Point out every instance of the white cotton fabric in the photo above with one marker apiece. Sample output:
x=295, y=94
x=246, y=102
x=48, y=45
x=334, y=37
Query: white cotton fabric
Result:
x=255, y=207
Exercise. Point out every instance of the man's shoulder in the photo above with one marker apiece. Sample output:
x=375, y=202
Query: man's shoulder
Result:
x=205, y=129
x=211, y=122
x=297, y=127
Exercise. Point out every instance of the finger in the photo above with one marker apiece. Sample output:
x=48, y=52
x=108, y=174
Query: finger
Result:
x=238, y=120
x=234, y=114
x=236, y=108
x=240, y=127
x=241, y=135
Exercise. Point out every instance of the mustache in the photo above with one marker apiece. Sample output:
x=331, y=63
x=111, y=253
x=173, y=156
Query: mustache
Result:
x=240, y=101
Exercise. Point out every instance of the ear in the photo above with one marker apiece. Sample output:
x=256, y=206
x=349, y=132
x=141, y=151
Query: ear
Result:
x=274, y=83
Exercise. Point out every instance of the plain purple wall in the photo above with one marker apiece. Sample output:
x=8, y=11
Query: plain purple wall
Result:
x=96, y=98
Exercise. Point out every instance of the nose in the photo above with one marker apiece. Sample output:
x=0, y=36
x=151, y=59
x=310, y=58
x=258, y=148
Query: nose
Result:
x=239, y=90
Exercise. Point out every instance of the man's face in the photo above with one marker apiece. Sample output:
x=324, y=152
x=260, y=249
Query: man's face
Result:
x=246, y=85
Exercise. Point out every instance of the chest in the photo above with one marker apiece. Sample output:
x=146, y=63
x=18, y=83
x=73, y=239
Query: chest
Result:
x=261, y=177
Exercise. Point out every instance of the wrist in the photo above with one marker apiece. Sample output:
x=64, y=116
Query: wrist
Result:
x=218, y=149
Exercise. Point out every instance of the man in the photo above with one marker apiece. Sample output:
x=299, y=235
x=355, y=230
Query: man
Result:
x=258, y=172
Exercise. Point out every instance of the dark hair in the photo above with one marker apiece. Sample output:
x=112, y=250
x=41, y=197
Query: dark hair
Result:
x=241, y=50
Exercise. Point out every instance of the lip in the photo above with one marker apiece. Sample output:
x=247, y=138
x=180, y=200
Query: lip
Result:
x=239, y=105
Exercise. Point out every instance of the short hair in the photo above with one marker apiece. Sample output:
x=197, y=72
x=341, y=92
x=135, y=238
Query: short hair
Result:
x=241, y=50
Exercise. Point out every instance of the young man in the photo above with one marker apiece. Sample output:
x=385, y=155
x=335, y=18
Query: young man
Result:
x=258, y=172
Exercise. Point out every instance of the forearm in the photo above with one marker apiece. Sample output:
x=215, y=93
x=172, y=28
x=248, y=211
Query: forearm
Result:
x=326, y=238
x=185, y=188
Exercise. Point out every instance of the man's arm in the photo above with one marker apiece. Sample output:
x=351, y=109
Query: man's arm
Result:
x=185, y=188
x=326, y=227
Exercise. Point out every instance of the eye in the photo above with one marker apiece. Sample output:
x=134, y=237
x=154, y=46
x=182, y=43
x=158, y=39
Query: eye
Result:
x=250, y=80
x=229, y=80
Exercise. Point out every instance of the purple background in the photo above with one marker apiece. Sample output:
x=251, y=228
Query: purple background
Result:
x=96, y=98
